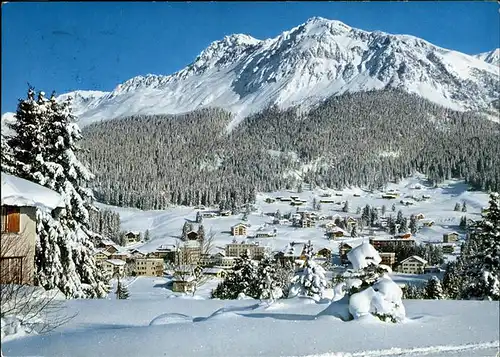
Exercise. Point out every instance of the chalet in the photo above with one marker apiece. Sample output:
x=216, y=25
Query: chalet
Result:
x=101, y=255
x=450, y=237
x=356, y=195
x=215, y=272
x=412, y=265
x=325, y=253
x=293, y=252
x=239, y=230
x=265, y=234
x=407, y=202
x=326, y=195
x=448, y=248
x=113, y=267
x=225, y=213
x=306, y=223
x=378, y=243
x=192, y=235
x=338, y=194
x=336, y=232
x=270, y=200
x=426, y=197
x=286, y=199
x=429, y=223
x=20, y=200
x=294, y=197
x=388, y=259
x=254, y=250
x=132, y=238
x=296, y=203
x=344, y=248
x=184, y=279
x=200, y=207
x=112, y=248
x=420, y=216
x=165, y=252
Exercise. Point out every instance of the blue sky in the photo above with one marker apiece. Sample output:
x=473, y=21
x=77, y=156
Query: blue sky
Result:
x=69, y=46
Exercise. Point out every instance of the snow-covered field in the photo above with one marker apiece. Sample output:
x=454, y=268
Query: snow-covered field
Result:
x=165, y=226
x=187, y=327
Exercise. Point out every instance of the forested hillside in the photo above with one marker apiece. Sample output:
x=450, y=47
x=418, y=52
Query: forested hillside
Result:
x=365, y=139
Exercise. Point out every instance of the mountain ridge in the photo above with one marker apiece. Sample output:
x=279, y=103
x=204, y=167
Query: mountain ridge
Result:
x=305, y=64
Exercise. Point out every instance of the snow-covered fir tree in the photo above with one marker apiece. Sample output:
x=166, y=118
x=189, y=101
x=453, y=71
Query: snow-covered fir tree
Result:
x=242, y=279
x=458, y=207
x=481, y=255
x=412, y=226
x=267, y=275
x=121, y=291
x=186, y=228
x=433, y=289
x=44, y=145
x=346, y=207
x=147, y=235
x=310, y=280
x=464, y=207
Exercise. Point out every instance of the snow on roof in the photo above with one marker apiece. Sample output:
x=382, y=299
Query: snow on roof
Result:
x=20, y=192
x=415, y=257
x=364, y=254
x=212, y=270
x=107, y=242
x=116, y=261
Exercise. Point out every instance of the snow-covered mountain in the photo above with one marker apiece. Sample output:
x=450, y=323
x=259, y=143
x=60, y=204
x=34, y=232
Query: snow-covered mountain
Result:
x=492, y=57
x=304, y=65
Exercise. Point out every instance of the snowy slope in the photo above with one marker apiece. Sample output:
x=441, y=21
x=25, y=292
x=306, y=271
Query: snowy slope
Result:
x=491, y=57
x=304, y=65
x=248, y=328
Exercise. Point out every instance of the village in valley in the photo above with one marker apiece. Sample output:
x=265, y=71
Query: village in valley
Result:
x=415, y=228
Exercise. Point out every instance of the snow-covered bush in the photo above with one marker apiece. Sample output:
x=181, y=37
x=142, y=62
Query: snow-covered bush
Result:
x=370, y=288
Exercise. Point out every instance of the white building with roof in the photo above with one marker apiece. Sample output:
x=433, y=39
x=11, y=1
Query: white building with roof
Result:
x=412, y=265
x=20, y=199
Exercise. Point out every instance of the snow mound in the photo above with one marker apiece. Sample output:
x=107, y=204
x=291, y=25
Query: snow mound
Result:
x=20, y=192
x=363, y=255
x=170, y=318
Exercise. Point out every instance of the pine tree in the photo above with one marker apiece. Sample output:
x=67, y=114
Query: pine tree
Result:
x=358, y=210
x=457, y=207
x=384, y=209
x=433, y=289
x=413, y=224
x=6, y=159
x=453, y=280
x=464, y=207
x=311, y=280
x=403, y=228
x=463, y=222
x=242, y=279
x=186, y=228
x=267, y=272
x=201, y=232
x=354, y=232
x=146, y=235
x=199, y=217
x=121, y=291
x=346, y=207
x=44, y=147
x=481, y=255
x=365, y=216
x=393, y=208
